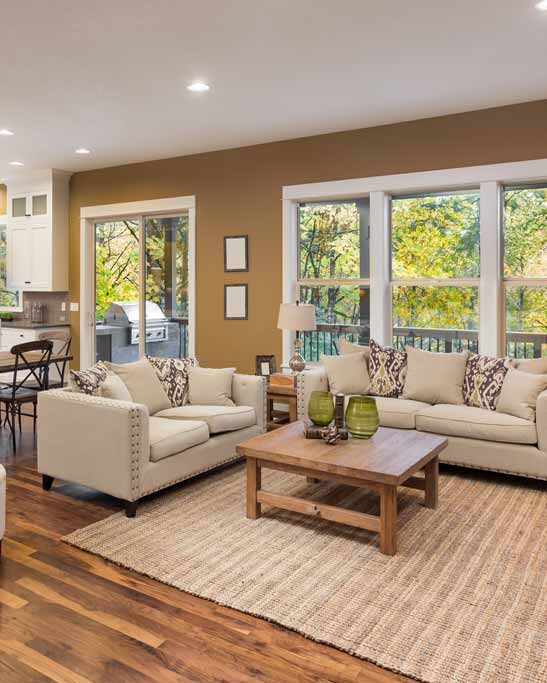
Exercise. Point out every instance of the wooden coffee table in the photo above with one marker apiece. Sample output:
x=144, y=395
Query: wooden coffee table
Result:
x=391, y=458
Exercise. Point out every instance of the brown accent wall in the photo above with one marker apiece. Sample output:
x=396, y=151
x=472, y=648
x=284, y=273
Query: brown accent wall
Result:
x=238, y=191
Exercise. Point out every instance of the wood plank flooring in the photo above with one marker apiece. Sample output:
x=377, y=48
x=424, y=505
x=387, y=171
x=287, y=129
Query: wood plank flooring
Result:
x=71, y=617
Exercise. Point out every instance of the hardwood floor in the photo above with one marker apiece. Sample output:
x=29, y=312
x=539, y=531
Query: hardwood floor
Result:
x=71, y=617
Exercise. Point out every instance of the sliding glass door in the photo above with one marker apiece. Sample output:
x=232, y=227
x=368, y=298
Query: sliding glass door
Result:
x=141, y=300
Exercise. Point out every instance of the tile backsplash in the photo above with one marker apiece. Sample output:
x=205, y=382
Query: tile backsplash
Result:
x=53, y=301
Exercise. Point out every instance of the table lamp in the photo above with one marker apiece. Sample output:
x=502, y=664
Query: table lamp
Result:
x=297, y=318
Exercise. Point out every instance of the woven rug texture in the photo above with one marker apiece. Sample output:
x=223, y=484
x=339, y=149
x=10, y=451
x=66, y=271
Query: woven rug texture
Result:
x=463, y=601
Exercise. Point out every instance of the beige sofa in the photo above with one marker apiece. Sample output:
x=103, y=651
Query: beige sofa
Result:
x=478, y=438
x=119, y=449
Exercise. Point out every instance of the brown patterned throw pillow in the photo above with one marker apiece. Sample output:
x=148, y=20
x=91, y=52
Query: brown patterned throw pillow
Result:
x=88, y=381
x=387, y=370
x=483, y=380
x=173, y=374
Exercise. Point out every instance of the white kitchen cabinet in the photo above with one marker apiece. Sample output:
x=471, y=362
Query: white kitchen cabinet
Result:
x=38, y=232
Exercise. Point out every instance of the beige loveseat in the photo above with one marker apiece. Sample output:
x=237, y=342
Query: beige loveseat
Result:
x=118, y=448
x=478, y=438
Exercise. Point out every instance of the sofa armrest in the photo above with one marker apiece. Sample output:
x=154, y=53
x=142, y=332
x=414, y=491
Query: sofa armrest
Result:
x=93, y=441
x=314, y=379
x=250, y=390
x=541, y=421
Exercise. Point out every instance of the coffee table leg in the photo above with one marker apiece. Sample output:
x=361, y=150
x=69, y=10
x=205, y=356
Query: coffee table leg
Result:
x=432, y=483
x=253, y=485
x=388, y=520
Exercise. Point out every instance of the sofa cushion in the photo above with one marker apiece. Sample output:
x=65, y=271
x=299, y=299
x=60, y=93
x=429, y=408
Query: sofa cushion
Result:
x=87, y=381
x=347, y=374
x=346, y=347
x=169, y=437
x=483, y=380
x=210, y=386
x=435, y=377
x=398, y=413
x=218, y=418
x=536, y=366
x=114, y=388
x=143, y=384
x=387, y=370
x=173, y=375
x=520, y=392
x=475, y=423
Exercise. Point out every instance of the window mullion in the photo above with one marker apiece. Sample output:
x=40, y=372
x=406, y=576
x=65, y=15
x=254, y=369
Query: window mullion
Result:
x=380, y=266
x=490, y=300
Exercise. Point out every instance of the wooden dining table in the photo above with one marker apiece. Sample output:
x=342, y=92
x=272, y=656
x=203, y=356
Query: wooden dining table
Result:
x=7, y=360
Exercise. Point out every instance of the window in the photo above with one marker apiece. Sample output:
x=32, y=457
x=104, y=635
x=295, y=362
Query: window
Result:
x=10, y=299
x=525, y=270
x=333, y=272
x=435, y=270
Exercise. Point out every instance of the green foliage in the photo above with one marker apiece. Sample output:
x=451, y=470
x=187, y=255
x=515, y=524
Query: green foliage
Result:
x=117, y=263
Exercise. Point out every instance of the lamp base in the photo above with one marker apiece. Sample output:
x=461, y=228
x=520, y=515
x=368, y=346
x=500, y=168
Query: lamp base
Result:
x=297, y=363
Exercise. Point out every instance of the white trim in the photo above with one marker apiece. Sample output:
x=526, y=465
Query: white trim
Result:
x=89, y=215
x=446, y=179
x=380, y=267
x=168, y=204
x=490, y=314
x=488, y=178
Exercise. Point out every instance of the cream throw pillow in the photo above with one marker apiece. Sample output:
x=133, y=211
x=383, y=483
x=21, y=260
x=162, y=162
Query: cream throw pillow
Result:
x=210, y=386
x=347, y=374
x=347, y=347
x=113, y=387
x=519, y=393
x=435, y=377
x=536, y=366
x=143, y=384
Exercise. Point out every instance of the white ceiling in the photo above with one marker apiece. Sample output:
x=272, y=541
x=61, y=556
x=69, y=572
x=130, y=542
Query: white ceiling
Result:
x=111, y=74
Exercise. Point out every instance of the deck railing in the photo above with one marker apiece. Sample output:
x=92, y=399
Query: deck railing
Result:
x=324, y=340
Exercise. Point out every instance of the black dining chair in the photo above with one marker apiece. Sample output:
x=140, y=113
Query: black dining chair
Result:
x=30, y=376
x=62, y=341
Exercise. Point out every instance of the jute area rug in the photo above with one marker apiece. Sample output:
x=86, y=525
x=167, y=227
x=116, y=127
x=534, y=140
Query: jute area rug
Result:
x=463, y=601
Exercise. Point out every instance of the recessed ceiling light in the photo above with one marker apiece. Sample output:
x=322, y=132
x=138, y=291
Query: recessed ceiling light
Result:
x=198, y=86
x=5, y=131
x=16, y=163
x=83, y=150
x=542, y=5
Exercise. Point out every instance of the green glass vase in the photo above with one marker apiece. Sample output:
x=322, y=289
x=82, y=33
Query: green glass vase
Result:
x=362, y=418
x=321, y=408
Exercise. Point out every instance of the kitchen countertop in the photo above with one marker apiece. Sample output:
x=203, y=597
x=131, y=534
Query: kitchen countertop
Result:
x=28, y=325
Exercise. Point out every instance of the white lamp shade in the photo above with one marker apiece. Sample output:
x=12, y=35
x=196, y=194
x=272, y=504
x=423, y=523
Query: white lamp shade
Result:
x=296, y=317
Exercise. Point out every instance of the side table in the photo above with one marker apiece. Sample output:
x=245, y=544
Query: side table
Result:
x=284, y=396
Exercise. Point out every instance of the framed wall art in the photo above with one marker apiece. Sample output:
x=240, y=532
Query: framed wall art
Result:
x=236, y=254
x=235, y=302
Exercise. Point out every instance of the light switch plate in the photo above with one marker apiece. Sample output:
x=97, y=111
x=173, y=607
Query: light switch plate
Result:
x=74, y=306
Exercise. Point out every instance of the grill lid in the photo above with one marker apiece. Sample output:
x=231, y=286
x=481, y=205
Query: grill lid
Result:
x=127, y=313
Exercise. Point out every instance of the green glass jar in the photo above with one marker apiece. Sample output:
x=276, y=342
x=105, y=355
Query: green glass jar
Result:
x=362, y=418
x=321, y=408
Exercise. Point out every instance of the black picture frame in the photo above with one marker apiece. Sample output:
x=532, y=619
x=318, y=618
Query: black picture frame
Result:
x=245, y=314
x=245, y=268
x=270, y=361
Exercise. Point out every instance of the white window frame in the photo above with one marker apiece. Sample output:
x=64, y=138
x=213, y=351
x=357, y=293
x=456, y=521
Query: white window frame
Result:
x=490, y=179
x=89, y=215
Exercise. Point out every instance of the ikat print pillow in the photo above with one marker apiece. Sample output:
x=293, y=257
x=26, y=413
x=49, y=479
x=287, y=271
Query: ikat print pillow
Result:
x=173, y=374
x=483, y=380
x=387, y=370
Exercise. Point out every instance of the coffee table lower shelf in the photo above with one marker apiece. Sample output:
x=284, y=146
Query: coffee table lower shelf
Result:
x=384, y=524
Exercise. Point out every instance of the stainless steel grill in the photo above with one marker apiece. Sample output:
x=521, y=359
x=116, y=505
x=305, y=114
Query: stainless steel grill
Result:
x=126, y=314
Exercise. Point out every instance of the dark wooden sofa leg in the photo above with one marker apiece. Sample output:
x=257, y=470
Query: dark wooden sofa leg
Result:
x=131, y=508
x=47, y=482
